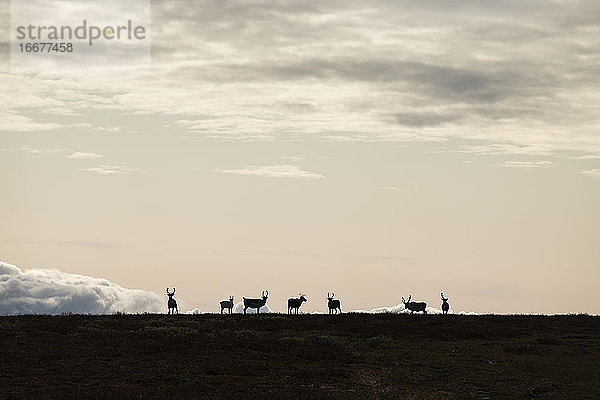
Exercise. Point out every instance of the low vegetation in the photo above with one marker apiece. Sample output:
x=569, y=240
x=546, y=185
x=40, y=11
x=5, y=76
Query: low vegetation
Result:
x=300, y=356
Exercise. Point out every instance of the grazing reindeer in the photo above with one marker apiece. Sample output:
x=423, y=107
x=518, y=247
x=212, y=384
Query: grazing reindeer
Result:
x=172, y=304
x=256, y=303
x=333, y=305
x=413, y=306
x=295, y=303
x=227, y=304
x=445, y=305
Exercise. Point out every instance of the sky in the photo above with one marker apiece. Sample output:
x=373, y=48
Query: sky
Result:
x=375, y=149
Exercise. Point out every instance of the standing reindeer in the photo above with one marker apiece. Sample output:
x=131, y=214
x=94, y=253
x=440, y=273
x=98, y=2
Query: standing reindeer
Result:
x=172, y=304
x=414, y=306
x=333, y=305
x=227, y=304
x=445, y=305
x=295, y=303
x=256, y=303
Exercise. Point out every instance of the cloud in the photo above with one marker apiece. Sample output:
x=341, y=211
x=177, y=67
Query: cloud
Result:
x=50, y=291
x=84, y=156
x=528, y=164
x=295, y=158
x=392, y=188
x=399, y=309
x=589, y=157
x=352, y=71
x=10, y=122
x=591, y=172
x=274, y=171
x=110, y=169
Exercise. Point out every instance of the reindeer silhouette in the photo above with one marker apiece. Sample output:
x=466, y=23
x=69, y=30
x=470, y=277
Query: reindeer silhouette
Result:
x=172, y=304
x=227, y=304
x=256, y=303
x=295, y=303
x=414, y=306
x=333, y=305
x=445, y=305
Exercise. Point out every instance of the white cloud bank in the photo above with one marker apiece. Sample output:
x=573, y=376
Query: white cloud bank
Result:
x=50, y=291
x=399, y=309
x=274, y=171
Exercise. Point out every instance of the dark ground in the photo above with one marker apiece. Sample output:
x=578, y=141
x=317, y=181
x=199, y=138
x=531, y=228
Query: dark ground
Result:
x=304, y=356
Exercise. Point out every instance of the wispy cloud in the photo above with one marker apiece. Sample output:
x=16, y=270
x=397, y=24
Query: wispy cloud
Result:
x=591, y=172
x=31, y=150
x=11, y=122
x=528, y=164
x=295, y=158
x=78, y=155
x=34, y=151
x=392, y=188
x=274, y=171
x=110, y=169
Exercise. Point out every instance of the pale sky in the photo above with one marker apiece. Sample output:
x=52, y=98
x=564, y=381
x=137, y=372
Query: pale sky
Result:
x=372, y=148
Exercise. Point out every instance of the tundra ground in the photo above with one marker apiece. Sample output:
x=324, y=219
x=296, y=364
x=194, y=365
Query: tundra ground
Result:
x=299, y=356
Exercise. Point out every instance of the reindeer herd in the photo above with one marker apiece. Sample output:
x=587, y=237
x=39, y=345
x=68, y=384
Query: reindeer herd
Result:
x=294, y=303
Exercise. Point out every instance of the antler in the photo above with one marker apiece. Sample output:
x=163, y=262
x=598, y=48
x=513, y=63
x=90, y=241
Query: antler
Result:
x=404, y=301
x=409, y=297
x=173, y=290
x=267, y=293
x=328, y=295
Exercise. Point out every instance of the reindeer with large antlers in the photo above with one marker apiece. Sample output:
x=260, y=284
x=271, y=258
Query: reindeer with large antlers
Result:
x=256, y=303
x=415, y=306
x=333, y=304
x=227, y=304
x=172, y=304
x=445, y=305
x=295, y=303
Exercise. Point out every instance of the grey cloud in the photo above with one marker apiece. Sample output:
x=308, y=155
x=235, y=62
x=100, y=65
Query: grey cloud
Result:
x=421, y=119
x=502, y=72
